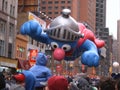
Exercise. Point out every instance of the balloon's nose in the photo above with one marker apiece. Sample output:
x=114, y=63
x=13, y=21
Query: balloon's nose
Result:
x=58, y=54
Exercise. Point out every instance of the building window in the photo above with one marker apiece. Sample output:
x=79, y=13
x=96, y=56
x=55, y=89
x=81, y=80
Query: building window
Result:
x=56, y=12
x=62, y=7
x=69, y=1
x=97, y=4
x=6, y=4
x=10, y=50
x=69, y=7
x=43, y=2
x=101, y=6
x=56, y=7
x=2, y=48
x=3, y=1
x=101, y=11
x=49, y=12
x=56, y=2
x=13, y=10
x=2, y=27
x=49, y=2
x=35, y=43
x=101, y=15
x=62, y=2
x=50, y=7
x=43, y=7
x=10, y=9
x=38, y=44
x=11, y=30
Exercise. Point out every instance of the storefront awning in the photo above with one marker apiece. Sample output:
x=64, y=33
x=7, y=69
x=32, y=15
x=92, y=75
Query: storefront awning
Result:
x=7, y=62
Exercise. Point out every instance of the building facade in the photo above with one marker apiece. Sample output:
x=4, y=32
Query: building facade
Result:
x=100, y=14
x=103, y=33
x=81, y=10
x=27, y=5
x=8, y=24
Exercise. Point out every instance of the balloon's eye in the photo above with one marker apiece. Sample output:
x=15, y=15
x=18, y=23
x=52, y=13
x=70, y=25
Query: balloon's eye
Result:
x=66, y=47
x=54, y=45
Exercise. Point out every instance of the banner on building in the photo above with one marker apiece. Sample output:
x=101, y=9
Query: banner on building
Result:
x=32, y=16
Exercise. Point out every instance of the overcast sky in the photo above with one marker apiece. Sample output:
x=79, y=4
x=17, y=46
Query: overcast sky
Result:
x=112, y=15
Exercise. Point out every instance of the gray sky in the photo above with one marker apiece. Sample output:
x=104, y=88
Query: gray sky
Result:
x=112, y=15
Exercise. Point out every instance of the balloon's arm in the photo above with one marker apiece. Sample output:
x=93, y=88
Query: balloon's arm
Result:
x=33, y=29
x=90, y=54
x=89, y=45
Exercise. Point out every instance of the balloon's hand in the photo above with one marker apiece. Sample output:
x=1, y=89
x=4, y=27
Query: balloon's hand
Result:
x=90, y=58
x=31, y=28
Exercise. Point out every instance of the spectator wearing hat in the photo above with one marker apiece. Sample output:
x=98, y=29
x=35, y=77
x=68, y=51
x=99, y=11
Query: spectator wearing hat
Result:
x=57, y=83
x=26, y=77
x=17, y=82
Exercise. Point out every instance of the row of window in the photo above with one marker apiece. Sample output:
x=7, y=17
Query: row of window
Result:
x=99, y=5
x=20, y=50
x=3, y=28
x=52, y=12
x=36, y=43
x=99, y=24
x=100, y=1
x=3, y=33
x=5, y=8
x=3, y=49
x=99, y=20
x=99, y=10
x=56, y=2
x=55, y=7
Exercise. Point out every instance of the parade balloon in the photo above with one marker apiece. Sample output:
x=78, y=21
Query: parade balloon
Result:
x=68, y=39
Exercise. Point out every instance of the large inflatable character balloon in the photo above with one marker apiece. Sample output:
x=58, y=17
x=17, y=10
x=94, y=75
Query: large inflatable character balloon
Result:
x=37, y=75
x=68, y=38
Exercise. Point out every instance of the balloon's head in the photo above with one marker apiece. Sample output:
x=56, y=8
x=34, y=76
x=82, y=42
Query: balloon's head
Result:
x=64, y=27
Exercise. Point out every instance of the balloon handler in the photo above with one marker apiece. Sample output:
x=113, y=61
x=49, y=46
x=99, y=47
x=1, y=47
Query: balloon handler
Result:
x=68, y=38
x=37, y=76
